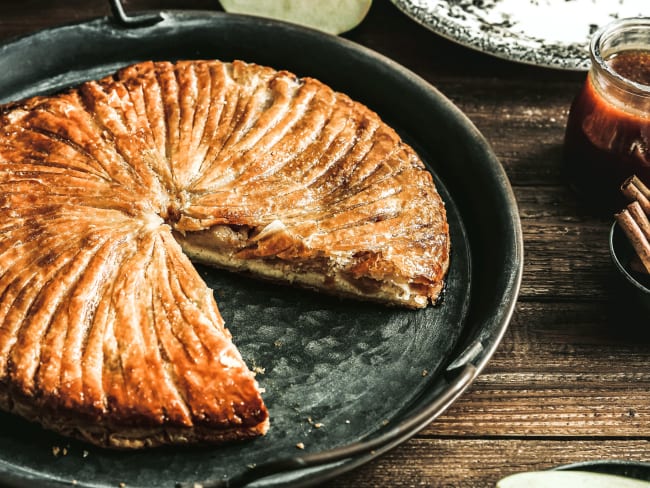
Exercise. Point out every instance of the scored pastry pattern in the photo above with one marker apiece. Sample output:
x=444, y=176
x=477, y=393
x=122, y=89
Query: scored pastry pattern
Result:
x=107, y=332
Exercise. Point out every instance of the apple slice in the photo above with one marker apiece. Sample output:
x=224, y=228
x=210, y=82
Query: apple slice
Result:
x=333, y=16
x=569, y=479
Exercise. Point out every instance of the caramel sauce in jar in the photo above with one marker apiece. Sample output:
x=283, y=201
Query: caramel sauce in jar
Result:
x=607, y=137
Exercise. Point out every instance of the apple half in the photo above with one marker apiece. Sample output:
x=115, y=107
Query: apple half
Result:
x=332, y=16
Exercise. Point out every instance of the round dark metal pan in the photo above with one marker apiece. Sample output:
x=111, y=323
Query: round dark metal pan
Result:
x=345, y=380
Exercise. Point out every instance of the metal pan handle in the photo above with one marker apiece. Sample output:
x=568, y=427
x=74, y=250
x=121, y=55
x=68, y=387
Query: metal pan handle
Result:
x=125, y=20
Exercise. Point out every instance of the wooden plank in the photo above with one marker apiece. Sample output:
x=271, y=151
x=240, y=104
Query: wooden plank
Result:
x=15, y=22
x=561, y=370
x=565, y=246
x=585, y=337
x=530, y=405
x=567, y=262
x=481, y=463
x=524, y=122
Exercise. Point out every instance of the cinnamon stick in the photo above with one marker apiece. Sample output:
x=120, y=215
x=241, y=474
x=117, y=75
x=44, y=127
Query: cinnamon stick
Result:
x=634, y=231
x=640, y=217
x=634, y=189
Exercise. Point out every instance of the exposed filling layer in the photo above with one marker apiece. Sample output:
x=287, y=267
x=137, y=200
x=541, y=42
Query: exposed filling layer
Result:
x=222, y=246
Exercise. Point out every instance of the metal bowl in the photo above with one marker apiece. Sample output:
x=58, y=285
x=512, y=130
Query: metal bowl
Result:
x=630, y=286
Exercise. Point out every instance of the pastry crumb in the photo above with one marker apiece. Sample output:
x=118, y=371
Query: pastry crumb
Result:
x=425, y=372
x=85, y=453
x=259, y=370
x=316, y=425
x=300, y=445
x=56, y=450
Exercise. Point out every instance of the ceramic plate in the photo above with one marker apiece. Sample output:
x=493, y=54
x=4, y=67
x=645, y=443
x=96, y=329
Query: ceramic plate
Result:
x=549, y=33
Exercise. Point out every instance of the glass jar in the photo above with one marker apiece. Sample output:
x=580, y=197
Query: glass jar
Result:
x=608, y=130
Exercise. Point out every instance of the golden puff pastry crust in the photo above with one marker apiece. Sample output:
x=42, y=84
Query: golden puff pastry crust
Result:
x=107, y=332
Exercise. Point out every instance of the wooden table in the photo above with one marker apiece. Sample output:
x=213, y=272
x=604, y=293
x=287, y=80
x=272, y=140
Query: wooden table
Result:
x=570, y=381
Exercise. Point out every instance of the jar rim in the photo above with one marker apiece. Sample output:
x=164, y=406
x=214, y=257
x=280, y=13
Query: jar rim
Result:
x=597, y=58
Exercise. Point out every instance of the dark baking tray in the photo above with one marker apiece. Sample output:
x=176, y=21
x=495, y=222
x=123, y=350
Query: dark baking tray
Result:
x=346, y=379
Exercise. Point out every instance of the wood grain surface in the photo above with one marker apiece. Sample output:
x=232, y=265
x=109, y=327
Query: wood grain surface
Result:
x=570, y=381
